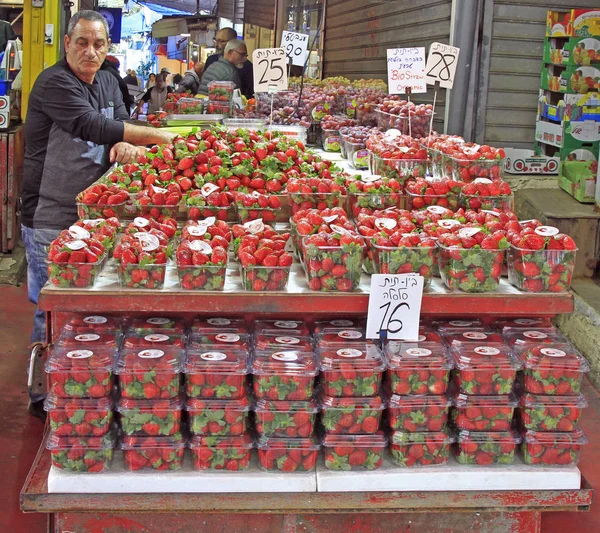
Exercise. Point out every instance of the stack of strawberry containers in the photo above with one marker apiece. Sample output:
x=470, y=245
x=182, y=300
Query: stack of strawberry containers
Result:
x=485, y=370
x=284, y=369
x=552, y=402
x=352, y=406
x=218, y=405
x=79, y=404
x=149, y=369
x=417, y=382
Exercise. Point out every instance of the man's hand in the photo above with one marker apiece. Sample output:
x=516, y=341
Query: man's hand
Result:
x=123, y=153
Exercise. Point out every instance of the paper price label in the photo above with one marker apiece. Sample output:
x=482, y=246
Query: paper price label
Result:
x=330, y=219
x=350, y=334
x=87, y=337
x=80, y=354
x=95, y=319
x=461, y=323
x=208, y=188
x=438, y=210
x=349, y=352
x=158, y=321
x=151, y=354
x=535, y=335
x=156, y=338
x=385, y=223
x=284, y=356
x=213, y=356
x=141, y=222
x=342, y=323
x=552, y=352
x=93, y=223
x=270, y=70
x=448, y=223
x=546, y=231
x=285, y=324
x=486, y=350
x=149, y=242
x=395, y=306
x=78, y=232
x=227, y=337
x=441, y=65
x=418, y=352
x=287, y=340
x=218, y=321
x=406, y=70
x=201, y=246
x=255, y=226
x=75, y=245
x=475, y=335
x=527, y=321
x=465, y=233
x=295, y=46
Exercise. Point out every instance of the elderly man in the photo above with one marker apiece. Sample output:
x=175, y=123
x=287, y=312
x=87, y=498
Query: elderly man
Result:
x=222, y=37
x=74, y=129
x=227, y=67
x=191, y=79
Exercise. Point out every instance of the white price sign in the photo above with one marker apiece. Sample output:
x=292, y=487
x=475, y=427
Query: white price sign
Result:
x=295, y=46
x=441, y=64
x=270, y=70
x=395, y=306
x=406, y=70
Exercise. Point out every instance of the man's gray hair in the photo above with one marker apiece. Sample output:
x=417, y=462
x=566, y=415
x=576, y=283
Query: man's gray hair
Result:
x=234, y=44
x=87, y=14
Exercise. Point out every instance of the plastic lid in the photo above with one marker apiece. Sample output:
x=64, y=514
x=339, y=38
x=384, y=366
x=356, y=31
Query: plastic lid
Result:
x=225, y=441
x=157, y=324
x=462, y=335
x=268, y=341
x=360, y=356
x=401, y=438
x=286, y=407
x=417, y=401
x=154, y=340
x=375, y=403
x=555, y=438
x=267, y=443
x=406, y=355
x=459, y=323
x=284, y=362
x=340, y=323
x=165, y=360
x=225, y=360
x=532, y=401
x=428, y=334
x=93, y=322
x=76, y=404
x=343, y=337
x=219, y=324
x=497, y=437
x=376, y=440
x=287, y=326
x=198, y=404
x=162, y=405
x=90, y=338
x=175, y=441
x=106, y=442
x=493, y=355
x=464, y=401
x=520, y=336
x=63, y=359
x=555, y=356
x=218, y=341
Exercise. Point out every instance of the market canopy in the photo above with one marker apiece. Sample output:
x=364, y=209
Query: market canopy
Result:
x=180, y=7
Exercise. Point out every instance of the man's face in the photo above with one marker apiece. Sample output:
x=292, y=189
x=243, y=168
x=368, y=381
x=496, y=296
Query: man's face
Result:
x=220, y=40
x=160, y=83
x=238, y=57
x=86, y=48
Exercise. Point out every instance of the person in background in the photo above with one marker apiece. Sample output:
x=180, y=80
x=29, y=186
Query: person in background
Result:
x=222, y=37
x=151, y=80
x=191, y=79
x=156, y=96
x=131, y=78
x=74, y=129
x=167, y=74
x=111, y=64
x=227, y=67
x=176, y=81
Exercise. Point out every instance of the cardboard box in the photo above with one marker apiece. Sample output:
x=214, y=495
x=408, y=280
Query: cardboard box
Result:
x=573, y=51
x=569, y=136
x=578, y=178
x=521, y=161
x=573, y=23
x=4, y=112
x=572, y=79
x=575, y=107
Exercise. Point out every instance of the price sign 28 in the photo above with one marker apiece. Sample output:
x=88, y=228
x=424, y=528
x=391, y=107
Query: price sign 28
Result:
x=270, y=70
x=441, y=64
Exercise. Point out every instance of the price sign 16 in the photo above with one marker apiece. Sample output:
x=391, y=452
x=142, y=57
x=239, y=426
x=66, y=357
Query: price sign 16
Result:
x=270, y=70
x=441, y=64
x=295, y=45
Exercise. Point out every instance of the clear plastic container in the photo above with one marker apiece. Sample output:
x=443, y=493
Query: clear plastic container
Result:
x=218, y=417
x=251, y=124
x=220, y=91
x=155, y=210
x=343, y=416
x=468, y=170
x=219, y=108
x=339, y=323
x=476, y=202
x=154, y=340
x=285, y=419
x=157, y=324
x=284, y=375
x=354, y=452
x=417, y=368
x=150, y=373
x=486, y=447
x=283, y=326
x=72, y=417
x=454, y=337
x=315, y=200
x=418, y=413
x=415, y=125
x=264, y=278
x=218, y=341
x=273, y=341
x=399, y=169
x=369, y=202
x=98, y=323
x=483, y=413
x=89, y=340
x=202, y=277
x=555, y=370
x=551, y=413
x=484, y=370
x=552, y=449
x=80, y=373
x=541, y=270
x=150, y=418
x=404, y=260
x=462, y=323
x=346, y=269
x=219, y=325
x=291, y=132
x=134, y=276
x=470, y=270
x=423, y=201
x=283, y=454
x=521, y=337
x=357, y=154
x=523, y=323
x=74, y=275
x=353, y=371
x=338, y=337
x=230, y=452
x=82, y=454
x=331, y=140
x=429, y=448
x=199, y=212
x=216, y=374
x=91, y=212
x=190, y=106
x=153, y=453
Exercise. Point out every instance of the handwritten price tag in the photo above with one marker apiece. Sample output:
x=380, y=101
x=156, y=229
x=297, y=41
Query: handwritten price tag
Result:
x=406, y=70
x=395, y=306
x=270, y=70
x=441, y=64
x=295, y=46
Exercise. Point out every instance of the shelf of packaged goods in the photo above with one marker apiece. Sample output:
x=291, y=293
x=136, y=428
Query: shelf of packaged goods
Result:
x=298, y=300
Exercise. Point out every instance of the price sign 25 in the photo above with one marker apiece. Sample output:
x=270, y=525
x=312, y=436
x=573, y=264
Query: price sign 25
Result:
x=270, y=69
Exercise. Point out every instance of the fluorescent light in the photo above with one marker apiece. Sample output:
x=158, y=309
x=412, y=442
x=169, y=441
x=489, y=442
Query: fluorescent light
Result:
x=186, y=34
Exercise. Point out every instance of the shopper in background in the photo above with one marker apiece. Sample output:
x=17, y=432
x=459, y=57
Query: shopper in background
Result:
x=74, y=130
x=131, y=78
x=156, y=96
x=227, y=67
x=111, y=64
x=151, y=80
x=191, y=79
x=222, y=37
x=176, y=81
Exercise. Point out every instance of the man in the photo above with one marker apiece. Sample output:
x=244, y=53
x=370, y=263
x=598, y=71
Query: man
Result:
x=111, y=64
x=227, y=67
x=74, y=129
x=191, y=79
x=222, y=37
x=157, y=95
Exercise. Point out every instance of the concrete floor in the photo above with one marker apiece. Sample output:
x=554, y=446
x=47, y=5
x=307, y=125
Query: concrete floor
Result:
x=20, y=434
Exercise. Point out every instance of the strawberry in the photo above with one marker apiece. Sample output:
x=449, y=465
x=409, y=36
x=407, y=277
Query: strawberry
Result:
x=486, y=447
x=276, y=378
x=421, y=449
x=341, y=415
x=483, y=413
x=281, y=419
x=548, y=448
x=287, y=455
x=157, y=453
x=546, y=413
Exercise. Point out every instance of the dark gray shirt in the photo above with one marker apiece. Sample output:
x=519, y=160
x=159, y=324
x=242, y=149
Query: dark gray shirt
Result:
x=221, y=70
